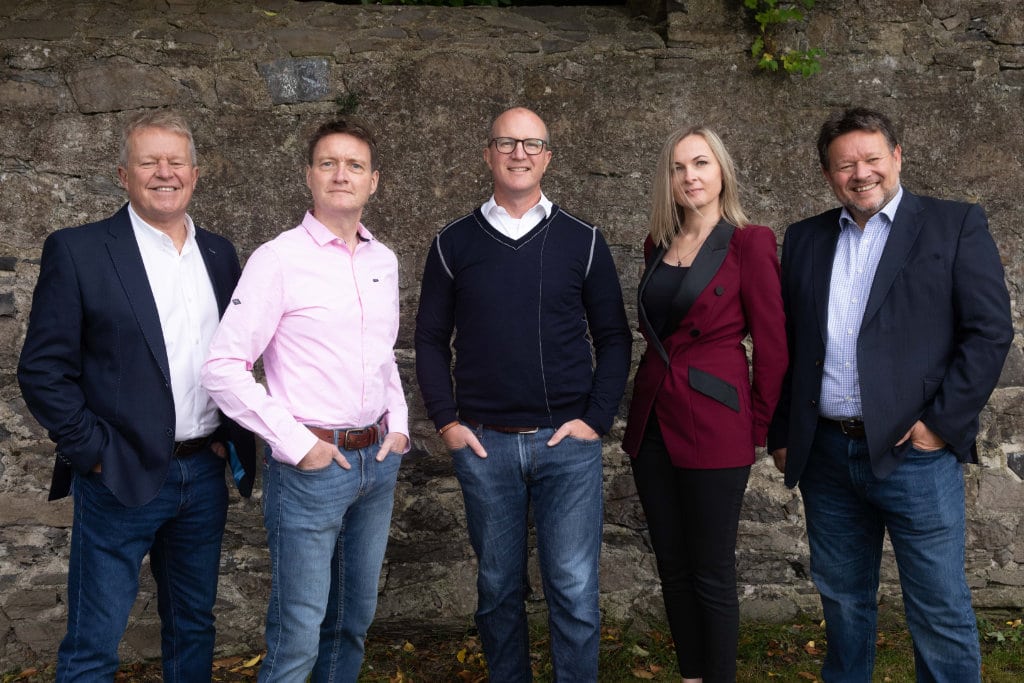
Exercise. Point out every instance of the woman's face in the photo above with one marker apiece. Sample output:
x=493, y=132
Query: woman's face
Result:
x=696, y=176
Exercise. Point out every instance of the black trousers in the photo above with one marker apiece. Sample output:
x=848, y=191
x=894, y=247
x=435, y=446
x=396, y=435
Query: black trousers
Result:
x=692, y=516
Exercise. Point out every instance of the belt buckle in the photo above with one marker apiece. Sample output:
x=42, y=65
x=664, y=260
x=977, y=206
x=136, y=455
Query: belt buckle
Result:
x=849, y=428
x=352, y=434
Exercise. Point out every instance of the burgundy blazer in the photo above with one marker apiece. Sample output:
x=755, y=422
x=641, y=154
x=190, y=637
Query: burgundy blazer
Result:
x=711, y=411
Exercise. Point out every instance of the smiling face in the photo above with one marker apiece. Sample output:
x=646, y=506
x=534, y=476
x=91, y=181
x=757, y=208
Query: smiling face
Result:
x=340, y=178
x=517, y=175
x=863, y=172
x=696, y=176
x=159, y=177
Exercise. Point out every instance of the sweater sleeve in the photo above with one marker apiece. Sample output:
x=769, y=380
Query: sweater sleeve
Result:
x=612, y=339
x=435, y=322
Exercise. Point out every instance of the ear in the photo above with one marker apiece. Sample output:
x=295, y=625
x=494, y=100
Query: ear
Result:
x=374, y=179
x=122, y=175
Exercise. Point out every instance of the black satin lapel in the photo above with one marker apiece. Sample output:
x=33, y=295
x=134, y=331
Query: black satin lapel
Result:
x=705, y=265
x=641, y=311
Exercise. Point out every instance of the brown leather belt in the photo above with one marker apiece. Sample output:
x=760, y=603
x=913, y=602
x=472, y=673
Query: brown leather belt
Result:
x=183, y=449
x=504, y=429
x=851, y=427
x=351, y=439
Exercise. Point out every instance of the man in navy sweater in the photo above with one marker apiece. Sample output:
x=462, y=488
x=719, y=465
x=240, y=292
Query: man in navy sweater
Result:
x=542, y=353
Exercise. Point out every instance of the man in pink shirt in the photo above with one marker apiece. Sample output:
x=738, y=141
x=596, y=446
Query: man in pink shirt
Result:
x=320, y=304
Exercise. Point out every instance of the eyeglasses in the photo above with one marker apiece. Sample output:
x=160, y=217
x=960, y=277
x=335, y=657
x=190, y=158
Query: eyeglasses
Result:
x=530, y=145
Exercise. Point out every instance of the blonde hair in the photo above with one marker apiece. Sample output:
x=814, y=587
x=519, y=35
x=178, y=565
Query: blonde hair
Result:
x=156, y=118
x=666, y=218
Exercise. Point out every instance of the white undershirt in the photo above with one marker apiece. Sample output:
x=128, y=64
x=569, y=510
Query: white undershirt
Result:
x=187, y=306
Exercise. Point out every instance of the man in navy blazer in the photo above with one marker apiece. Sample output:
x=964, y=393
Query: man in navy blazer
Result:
x=121, y=321
x=898, y=322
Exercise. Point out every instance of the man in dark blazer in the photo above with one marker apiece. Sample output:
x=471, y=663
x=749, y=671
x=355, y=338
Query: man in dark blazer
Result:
x=121, y=320
x=898, y=322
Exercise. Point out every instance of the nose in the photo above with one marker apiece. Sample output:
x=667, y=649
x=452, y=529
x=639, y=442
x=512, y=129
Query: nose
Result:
x=519, y=151
x=163, y=168
x=861, y=169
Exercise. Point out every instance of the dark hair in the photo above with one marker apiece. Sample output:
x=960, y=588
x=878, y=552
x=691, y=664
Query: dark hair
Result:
x=849, y=120
x=356, y=129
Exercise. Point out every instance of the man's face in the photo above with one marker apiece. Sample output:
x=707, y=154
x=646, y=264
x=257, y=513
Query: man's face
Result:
x=160, y=177
x=517, y=173
x=863, y=173
x=340, y=179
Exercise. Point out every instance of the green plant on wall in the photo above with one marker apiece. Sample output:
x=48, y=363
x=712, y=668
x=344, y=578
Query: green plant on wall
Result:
x=448, y=3
x=771, y=16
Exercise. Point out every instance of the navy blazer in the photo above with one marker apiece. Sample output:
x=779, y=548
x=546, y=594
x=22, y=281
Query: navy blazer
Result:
x=931, y=346
x=94, y=369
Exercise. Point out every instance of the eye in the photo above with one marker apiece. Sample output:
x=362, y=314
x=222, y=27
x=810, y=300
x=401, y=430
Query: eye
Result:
x=147, y=164
x=702, y=162
x=326, y=164
x=356, y=166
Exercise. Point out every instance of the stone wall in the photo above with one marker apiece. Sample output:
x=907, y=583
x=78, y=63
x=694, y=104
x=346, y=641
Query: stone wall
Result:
x=255, y=76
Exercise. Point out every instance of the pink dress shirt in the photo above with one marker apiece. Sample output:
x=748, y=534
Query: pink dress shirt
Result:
x=325, y=321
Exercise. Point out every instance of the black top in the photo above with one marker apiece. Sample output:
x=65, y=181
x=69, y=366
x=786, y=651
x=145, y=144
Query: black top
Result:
x=660, y=293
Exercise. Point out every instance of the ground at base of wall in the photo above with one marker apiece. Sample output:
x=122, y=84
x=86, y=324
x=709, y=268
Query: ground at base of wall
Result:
x=780, y=651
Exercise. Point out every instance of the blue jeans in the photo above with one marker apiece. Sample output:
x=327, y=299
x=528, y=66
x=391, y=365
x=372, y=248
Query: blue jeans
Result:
x=564, y=486
x=327, y=530
x=921, y=505
x=181, y=529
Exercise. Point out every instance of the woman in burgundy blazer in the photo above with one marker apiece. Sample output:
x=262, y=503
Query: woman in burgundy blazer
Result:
x=697, y=413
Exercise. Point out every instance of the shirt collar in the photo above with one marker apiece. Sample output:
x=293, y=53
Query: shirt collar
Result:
x=322, y=235
x=491, y=206
x=889, y=211
x=144, y=230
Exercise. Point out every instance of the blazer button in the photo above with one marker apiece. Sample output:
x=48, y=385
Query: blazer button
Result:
x=694, y=333
x=169, y=432
x=818, y=363
x=813, y=403
x=719, y=291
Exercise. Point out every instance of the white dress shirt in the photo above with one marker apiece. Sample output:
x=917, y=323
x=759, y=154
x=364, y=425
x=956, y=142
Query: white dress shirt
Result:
x=514, y=228
x=187, y=306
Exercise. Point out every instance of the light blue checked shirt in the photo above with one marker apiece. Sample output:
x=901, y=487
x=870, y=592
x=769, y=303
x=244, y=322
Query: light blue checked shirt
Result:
x=853, y=270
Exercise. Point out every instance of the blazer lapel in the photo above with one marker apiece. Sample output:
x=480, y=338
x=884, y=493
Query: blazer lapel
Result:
x=823, y=254
x=705, y=265
x=127, y=259
x=906, y=226
x=645, y=324
x=221, y=288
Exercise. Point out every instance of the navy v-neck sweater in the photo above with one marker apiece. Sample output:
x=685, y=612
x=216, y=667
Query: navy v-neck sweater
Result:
x=541, y=335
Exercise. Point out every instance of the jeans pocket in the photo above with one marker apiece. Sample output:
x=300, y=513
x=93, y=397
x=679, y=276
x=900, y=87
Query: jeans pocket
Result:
x=310, y=472
x=582, y=440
